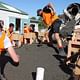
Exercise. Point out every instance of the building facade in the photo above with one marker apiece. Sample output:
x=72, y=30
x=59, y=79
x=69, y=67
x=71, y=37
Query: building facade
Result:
x=9, y=14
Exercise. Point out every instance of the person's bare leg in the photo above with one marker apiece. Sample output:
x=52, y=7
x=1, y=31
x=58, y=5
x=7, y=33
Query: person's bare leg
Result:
x=59, y=42
x=13, y=54
x=47, y=37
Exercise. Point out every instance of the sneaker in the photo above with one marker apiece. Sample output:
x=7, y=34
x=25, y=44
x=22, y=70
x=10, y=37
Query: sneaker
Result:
x=61, y=51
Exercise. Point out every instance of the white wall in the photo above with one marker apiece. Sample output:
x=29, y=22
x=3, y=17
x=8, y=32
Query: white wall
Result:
x=4, y=15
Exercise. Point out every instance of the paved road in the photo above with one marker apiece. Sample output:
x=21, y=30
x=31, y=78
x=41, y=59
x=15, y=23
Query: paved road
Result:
x=33, y=56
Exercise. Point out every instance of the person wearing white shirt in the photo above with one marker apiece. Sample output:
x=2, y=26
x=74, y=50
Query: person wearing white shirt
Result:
x=5, y=44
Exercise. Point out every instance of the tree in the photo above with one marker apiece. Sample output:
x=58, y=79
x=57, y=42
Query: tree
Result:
x=41, y=24
x=34, y=18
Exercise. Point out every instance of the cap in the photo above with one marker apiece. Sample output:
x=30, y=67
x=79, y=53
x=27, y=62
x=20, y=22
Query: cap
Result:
x=38, y=12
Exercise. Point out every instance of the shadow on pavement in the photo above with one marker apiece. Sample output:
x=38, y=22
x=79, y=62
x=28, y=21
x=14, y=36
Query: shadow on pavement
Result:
x=34, y=75
x=54, y=47
x=62, y=65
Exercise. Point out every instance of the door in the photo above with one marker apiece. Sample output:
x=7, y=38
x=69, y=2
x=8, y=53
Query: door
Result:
x=18, y=24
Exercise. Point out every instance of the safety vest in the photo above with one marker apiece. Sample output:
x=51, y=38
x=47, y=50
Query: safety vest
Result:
x=9, y=35
x=2, y=41
x=26, y=30
x=49, y=18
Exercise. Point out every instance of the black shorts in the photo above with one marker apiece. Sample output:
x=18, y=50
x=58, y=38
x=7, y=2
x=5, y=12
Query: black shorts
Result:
x=55, y=27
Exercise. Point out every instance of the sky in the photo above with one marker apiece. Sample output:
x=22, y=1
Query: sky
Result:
x=31, y=6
